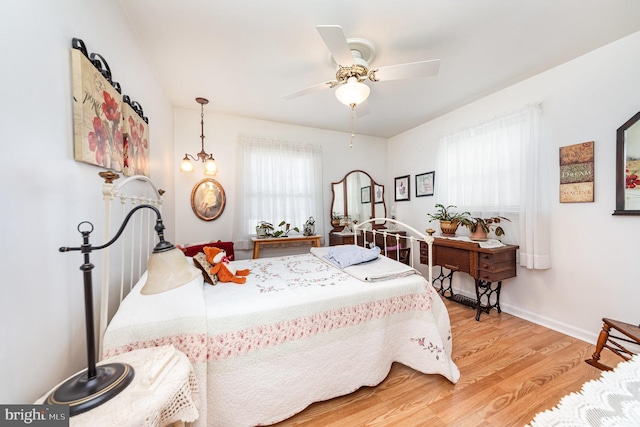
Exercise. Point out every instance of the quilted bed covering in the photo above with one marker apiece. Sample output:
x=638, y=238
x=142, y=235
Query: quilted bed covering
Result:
x=299, y=331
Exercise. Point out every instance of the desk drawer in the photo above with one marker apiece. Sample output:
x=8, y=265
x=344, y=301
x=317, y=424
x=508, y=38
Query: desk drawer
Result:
x=452, y=258
x=340, y=239
x=496, y=267
x=496, y=257
x=496, y=276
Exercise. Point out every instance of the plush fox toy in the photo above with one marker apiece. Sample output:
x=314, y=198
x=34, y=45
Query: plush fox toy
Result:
x=218, y=258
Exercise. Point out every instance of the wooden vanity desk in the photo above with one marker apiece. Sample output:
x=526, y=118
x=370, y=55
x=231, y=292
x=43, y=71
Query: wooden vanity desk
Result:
x=340, y=238
x=486, y=266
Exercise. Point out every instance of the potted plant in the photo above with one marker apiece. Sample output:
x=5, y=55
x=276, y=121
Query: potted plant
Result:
x=309, y=228
x=335, y=219
x=479, y=228
x=284, y=229
x=264, y=229
x=449, y=220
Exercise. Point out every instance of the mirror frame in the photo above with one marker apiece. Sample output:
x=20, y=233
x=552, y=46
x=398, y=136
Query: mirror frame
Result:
x=621, y=167
x=343, y=181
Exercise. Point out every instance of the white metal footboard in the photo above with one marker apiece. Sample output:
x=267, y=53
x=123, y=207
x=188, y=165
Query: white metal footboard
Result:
x=401, y=242
x=126, y=260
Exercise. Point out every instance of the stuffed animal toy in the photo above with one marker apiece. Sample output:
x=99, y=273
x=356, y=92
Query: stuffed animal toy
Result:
x=218, y=258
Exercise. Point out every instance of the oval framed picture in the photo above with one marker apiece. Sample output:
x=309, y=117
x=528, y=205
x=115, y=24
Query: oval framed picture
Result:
x=208, y=199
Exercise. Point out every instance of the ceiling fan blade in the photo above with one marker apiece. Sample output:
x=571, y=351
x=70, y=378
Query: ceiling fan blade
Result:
x=311, y=89
x=336, y=43
x=408, y=71
x=362, y=109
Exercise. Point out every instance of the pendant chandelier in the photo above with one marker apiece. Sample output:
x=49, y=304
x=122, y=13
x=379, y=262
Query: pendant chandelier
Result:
x=210, y=166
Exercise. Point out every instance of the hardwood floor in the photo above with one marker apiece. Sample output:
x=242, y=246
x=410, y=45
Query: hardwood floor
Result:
x=510, y=370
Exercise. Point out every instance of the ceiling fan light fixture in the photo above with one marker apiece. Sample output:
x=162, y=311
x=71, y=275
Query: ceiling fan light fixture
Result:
x=352, y=92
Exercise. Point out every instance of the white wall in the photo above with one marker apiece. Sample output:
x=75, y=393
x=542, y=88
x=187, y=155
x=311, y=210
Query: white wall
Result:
x=221, y=136
x=594, y=254
x=45, y=193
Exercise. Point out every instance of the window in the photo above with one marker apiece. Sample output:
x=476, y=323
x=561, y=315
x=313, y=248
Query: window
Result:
x=278, y=180
x=499, y=168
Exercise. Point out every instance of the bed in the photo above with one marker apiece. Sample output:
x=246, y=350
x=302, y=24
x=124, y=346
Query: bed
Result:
x=300, y=330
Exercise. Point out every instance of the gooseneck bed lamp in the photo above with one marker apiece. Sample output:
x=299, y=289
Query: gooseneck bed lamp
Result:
x=167, y=269
x=210, y=166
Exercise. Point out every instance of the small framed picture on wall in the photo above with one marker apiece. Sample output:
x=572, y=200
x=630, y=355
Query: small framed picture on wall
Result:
x=378, y=194
x=365, y=194
x=402, y=188
x=424, y=184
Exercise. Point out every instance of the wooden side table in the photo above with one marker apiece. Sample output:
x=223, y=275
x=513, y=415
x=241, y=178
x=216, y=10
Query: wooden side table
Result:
x=486, y=266
x=163, y=392
x=315, y=242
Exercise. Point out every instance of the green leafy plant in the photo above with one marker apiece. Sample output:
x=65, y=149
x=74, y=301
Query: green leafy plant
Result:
x=264, y=229
x=283, y=229
x=447, y=214
x=487, y=224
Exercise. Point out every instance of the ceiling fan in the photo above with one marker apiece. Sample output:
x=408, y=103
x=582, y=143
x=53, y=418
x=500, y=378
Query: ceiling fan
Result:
x=353, y=58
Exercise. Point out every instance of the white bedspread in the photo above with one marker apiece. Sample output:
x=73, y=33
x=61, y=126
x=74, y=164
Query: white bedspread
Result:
x=299, y=331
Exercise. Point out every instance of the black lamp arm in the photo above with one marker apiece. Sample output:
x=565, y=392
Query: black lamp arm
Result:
x=161, y=246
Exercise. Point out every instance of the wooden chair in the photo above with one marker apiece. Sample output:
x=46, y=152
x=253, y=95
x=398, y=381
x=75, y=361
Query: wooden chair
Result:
x=615, y=343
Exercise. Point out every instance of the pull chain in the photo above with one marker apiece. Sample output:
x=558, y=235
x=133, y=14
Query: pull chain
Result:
x=352, y=114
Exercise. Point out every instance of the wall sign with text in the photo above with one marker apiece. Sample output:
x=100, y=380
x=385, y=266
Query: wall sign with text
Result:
x=576, y=173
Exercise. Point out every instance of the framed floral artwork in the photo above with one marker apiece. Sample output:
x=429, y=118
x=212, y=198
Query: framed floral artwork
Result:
x=365, y=194
x=424, y=184
x=402, y=188
x=97, y=116
x=208, y=199
x=378, y=193
x=135, y=134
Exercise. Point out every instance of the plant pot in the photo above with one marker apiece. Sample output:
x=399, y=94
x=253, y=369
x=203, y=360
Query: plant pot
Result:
x=261, y=232
x=335, y=222
x=449, y=228
x=479, y=235
x=309, y=230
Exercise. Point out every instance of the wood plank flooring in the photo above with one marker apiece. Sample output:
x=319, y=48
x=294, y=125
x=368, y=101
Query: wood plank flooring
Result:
x=510, y=370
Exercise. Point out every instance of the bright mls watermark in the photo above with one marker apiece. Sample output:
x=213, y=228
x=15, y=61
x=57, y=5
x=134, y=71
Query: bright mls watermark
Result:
x=34, y=415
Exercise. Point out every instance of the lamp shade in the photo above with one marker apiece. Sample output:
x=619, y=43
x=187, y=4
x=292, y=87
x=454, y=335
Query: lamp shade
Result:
x=210, y=167
x=186, y=165
x=168, y=270
x=353, y=92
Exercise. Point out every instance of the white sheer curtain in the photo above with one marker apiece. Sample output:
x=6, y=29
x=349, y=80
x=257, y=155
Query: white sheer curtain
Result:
x=277, y=181
x=500, y=168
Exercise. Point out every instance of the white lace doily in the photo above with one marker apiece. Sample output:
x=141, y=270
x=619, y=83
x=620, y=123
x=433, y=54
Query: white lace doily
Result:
x=613, y=400
x=163, y=391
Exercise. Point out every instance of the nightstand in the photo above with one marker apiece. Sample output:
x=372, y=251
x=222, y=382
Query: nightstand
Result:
x=163, y=392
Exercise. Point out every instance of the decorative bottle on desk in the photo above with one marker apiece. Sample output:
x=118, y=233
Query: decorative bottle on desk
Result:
x=392, y=225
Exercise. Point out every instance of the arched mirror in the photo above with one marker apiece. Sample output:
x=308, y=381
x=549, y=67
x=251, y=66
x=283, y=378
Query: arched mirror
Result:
x=358, y=197
x=628, y=168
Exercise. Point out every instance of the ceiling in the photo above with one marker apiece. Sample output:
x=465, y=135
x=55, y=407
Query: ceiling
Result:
x=245, y=55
